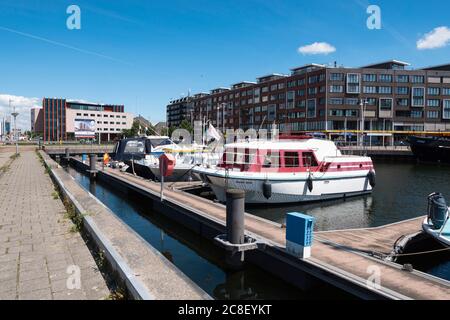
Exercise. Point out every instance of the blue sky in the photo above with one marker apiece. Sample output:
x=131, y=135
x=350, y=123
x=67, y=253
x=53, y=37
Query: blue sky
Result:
x=144, y=53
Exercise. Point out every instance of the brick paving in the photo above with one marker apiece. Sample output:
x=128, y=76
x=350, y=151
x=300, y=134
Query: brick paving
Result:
x=40, y=255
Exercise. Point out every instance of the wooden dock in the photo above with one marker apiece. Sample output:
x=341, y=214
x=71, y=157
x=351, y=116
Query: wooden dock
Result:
x=333, y=252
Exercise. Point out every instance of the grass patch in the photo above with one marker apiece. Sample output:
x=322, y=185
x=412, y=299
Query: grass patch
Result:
x=117, y=294
x=15, y=156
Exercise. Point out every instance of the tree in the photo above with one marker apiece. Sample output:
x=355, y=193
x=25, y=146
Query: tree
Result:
x=130, y=133
x=187, y=126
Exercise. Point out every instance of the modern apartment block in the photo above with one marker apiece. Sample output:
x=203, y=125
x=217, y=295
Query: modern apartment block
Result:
x=389, y=96
x=70, y=120
x=179, y=110
x=37, y=120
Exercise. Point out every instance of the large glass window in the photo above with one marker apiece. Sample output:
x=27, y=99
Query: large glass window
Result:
x=336, y=76
x=336, y=89
x=369, y=77
x=385, y=104
x=417, y=79
x=385, y=78
x=402, y=78
x=433, y=91
x=446, y=109
x=418, y=97
x=353, y=83
x=311, y=108
x=369, y=89
x=385, y=90
x=402, y=90
x=433, y=102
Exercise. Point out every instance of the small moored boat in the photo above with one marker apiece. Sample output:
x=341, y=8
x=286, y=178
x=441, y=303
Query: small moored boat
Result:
x=437, y=224
x=289, y=170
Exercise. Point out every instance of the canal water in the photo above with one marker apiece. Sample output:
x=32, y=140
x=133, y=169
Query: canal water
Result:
x=200, y=260
x=400, y=193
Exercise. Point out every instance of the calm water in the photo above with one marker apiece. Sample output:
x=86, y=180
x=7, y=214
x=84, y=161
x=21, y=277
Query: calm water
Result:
x=200, y=260
x=401, y=193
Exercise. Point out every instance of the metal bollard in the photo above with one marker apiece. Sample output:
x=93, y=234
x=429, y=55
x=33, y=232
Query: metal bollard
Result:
x=92, y=165
x=235, y=216
x=67, y=153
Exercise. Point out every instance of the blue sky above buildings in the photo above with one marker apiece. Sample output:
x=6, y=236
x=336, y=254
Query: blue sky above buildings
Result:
x=145, y=53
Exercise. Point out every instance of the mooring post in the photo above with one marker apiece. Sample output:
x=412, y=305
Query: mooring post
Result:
x=235, y=204
x=67, y=153
x=92, y=165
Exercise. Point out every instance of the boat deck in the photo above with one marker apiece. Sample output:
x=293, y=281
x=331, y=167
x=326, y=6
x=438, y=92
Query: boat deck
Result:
x=332, y=250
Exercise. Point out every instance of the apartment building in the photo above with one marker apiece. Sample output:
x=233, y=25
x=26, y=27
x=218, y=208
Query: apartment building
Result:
x=386, y=96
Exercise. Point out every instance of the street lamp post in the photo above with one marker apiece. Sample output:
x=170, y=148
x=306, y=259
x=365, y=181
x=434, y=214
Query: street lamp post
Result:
x=15, y=114
x=363, y=108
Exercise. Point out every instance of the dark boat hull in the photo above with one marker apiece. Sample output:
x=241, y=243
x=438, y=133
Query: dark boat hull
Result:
x=430, y=149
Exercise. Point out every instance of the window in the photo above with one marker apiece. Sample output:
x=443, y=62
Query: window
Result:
x=301, y=92
x=291, y=160
x=311, y=108
x=271, y=112
x=416, y=114
x=446, y=109
x=402, y=102
x=432, y=114
x=385, y=78
x=371, y=101
x=446, y=91
x=369, y=77
x=351, y=101
x=385, y=104
x=402, y=78
x=385, y=90
x=308, y=159
x=312, y=91
x=336, y=76
x=301, y=82
x=290, y=99
x=402, y=90
x=417, y=79
x=134, y=146
x=336, y=89
x=433, y=102
x=336, y=101
x=353, y=83
x=418, y=97
x=312, y=79
x=433, y=91
x=271, y=159
x=369, y=89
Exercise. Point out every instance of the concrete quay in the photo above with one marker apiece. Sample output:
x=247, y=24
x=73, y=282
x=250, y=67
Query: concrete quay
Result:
x=334, y=260
x=40, y=257
x=142, y=270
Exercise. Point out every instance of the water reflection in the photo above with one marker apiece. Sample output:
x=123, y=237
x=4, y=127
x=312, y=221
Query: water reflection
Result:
x=200, y=260
x=400, y=194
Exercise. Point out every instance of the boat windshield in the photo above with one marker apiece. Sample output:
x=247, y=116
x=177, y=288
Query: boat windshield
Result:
x=160, y=142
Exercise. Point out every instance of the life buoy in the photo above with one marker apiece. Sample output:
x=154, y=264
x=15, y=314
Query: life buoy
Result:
x=267, y=189
x=372, y=178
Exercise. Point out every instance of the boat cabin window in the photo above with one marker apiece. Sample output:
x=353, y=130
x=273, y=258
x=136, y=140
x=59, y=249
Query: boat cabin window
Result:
x=309, y=160
x=160, y=142
x=271, y=159
x=134, y=146
x=291, y=160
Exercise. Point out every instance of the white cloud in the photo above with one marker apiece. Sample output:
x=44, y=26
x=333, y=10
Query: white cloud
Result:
x=23, y=106
x=438, y=38
x=317, y=48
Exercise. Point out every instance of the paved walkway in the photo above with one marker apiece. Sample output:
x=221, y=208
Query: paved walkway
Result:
x=40, y=258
